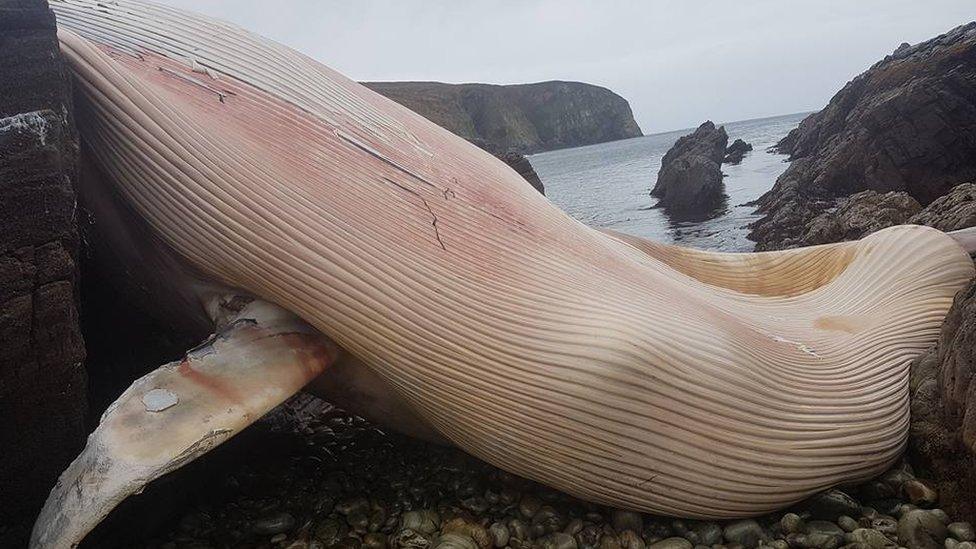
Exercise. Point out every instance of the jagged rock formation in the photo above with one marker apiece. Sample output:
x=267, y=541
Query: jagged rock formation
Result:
x=859, y=215
x=527, y=118
x=863, y=213
x=736, y=151
x=689, y=182
x=943, y=396
x=956, y=210
x=42, y=378
x=515, y=160
x=906, y=124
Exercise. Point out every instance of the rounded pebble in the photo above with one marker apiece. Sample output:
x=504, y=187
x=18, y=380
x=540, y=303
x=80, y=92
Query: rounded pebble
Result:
x=962, y=531
x=273, y=523
x=746, y=533
x=920, y=529
x=671, y=543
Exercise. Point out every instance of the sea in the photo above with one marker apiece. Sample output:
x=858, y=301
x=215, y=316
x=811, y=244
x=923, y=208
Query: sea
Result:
x=608, y=185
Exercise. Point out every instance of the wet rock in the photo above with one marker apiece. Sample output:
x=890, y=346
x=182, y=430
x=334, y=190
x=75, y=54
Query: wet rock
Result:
x=454, y=541
x=871, y=539
x=746, y=533
x=736, y=151
x=352, y=505
x=557, y=540
x=407, y=538
x=847, y=523
x=273, y=523
x=518, y=529
x=499, y=534
x=821, y=534
x=921, y=529
x=671, y=543
x=330, y=531
x=962, y=531
x=374, y=540
x=424, y=521
x=689, y=183
x=920, y=493
x=630, y=540
x=830, y=505
x=529, y=505
x=709, y=533
x=469, y=528
x=627, y=520
x=791, y=523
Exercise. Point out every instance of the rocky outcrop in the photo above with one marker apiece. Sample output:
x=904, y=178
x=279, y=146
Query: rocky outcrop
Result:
x=689, y=183
x=736, y=151
x=943, y=398
x=42, y=377
x=527, y=118
x=956, y=210
x=859, y=215
x=906, y=124
x=515, y=160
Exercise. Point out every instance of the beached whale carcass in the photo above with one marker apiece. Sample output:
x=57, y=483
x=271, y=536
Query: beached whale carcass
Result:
x=316, y=219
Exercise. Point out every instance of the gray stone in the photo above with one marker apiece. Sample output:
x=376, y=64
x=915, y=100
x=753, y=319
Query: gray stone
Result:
x=671, y=543
x=273, y=523
x=870, y=538
x=747, y=533
x=962, y=531
x=831, y=505
x=921, y=529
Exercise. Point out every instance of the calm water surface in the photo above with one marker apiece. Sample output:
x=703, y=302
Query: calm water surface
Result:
x=608, y=185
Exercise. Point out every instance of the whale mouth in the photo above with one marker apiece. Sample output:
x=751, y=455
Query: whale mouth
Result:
x=616, y=370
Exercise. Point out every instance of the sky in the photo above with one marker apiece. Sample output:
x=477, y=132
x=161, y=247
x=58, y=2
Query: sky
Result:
x=677, y=62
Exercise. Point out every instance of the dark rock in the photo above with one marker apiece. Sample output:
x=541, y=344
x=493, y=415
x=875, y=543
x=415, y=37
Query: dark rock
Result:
x=956, y=210
x=515, y=160
x=525, y=117
x=689, y=183
x=746, y=533
x=943, y=429
x=42, y=375
x=906, y=124
x=920, y=529
x=273, y=523
x=736, y=151
x=858, y=216
x=831, y=505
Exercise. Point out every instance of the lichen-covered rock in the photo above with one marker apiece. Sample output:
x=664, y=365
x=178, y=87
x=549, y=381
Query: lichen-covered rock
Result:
x=42, y=376
x=906, y=124
x=689, y=183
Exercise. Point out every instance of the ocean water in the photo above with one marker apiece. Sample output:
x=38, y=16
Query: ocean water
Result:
x=608, y=185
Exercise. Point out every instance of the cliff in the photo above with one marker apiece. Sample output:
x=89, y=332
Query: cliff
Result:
x=528, y=118
x=906, y=124
x=42, y=377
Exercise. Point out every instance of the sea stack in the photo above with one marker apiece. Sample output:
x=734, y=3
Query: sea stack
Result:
x=689, y=183
x=736, y=151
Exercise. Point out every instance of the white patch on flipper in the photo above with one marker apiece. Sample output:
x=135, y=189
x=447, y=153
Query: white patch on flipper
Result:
x=158, y=400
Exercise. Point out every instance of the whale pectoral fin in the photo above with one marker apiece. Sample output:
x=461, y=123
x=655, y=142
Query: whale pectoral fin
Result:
x=182, y=410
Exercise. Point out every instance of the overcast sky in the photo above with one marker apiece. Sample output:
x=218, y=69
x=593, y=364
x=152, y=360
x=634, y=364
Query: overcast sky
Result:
x=677, y=62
